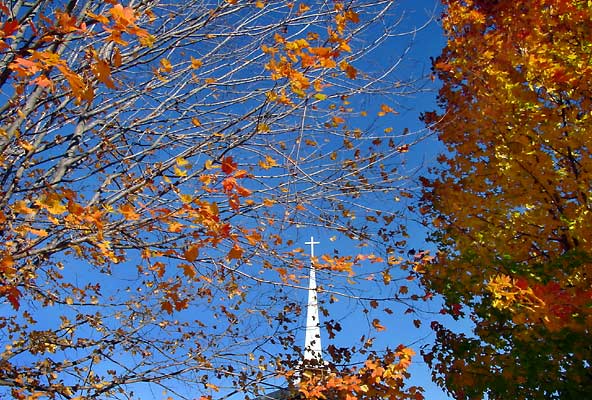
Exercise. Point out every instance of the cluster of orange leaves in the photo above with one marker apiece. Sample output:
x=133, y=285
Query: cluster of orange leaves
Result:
x=292, y=59
x=36, y=67
x=376, y=378
x=32, y=220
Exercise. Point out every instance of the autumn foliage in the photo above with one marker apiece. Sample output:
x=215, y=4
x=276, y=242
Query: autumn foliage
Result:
x=511, y=200
x=156, y=158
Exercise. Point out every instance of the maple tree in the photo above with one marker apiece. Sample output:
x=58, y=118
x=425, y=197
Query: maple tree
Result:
x=153, y=158
x=510, y=200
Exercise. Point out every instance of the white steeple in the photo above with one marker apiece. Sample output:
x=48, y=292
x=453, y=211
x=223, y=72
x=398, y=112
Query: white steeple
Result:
x=312, y=341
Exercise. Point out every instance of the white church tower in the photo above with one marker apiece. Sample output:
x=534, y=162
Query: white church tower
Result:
x=312, y=342
x=313, y=353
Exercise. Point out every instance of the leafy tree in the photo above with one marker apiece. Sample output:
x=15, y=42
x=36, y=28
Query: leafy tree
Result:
x=510, y=201
x=155, y=156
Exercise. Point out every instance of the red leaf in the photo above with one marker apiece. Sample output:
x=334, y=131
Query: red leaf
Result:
x=12, y=294
x=10, y=27
x=167, y=306
x=228, y=165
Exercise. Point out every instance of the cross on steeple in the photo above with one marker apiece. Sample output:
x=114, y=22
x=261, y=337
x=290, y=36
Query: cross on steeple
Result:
x=312, y=244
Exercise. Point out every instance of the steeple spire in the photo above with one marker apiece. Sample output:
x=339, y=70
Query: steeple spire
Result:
x=312, y=340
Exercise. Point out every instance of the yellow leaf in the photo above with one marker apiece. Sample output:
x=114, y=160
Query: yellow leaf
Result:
x=182, y=162
x=147, y=40
x=262, y=127
x=320, y=96
x=20, y=206
x=179, y=172
x=52, y=203
x=209, y=164
x=268, y=163
x=186, y=198
x=195, y=121
x=166, y=65
x=26, y=145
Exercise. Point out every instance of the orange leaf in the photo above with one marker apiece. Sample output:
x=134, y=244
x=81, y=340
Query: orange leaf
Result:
x=7, y=266
x=235, y=253
x=188, y=270
x=181, y=304
x=385, y=109
x=335, y=121
x=43, y=81
x=24, y=67
x=253, y=237
x=129, y=212
x=102, y=72
x=242, y=191
x=349, y=70
x=117, y=57
x=123, y=15
x=376, y=324
x=196, y=63
x=191, y=253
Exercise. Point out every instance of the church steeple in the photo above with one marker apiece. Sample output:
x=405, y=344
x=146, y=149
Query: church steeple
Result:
x=313, y=354
x=312, y=341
